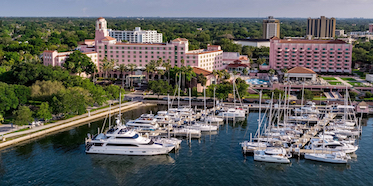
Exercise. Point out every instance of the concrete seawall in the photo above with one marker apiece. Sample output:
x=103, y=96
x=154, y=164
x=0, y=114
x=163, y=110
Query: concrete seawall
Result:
x=41, y=131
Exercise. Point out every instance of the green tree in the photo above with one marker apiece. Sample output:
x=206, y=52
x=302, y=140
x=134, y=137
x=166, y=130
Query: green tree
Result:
x=1, y=118
x=77, y=62
x=44, y=112
x=122, y=68
x=276, y=93
x=308, y=95
x=352, y=95
x=23, y=115
x=271, y=72
x=201, y=79
x=43, y=90
x=131, y=67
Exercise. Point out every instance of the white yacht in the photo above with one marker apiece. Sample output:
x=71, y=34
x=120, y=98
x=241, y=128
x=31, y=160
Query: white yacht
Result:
x=232, y=113
x=335, y=157
x=202, y=127
x=123, y=141
x=309, y=108
x=213, y=120
x=273, y=155
x=163, y=118
x=144, y=122
x=333, y=146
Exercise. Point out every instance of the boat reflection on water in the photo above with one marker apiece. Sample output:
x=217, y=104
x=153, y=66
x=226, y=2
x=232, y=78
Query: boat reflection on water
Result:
x=325, y=165
x=119, y=166
x=268, y=166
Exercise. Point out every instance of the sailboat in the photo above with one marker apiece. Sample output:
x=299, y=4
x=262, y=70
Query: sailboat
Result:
x=272, y=154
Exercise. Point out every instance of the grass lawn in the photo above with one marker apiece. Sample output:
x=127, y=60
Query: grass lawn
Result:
x=335, y=83
x=356, y=84
x=257, y=96
x=348, y=79
x=368, y=99
x=318, y=98
x=329, y=78
x=361, y=74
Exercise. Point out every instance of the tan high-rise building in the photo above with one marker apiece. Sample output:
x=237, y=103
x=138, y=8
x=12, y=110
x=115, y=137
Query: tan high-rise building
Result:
x=321, y=27
x=271, y=27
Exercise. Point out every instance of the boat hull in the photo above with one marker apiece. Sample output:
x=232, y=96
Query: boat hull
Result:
x=321, y=158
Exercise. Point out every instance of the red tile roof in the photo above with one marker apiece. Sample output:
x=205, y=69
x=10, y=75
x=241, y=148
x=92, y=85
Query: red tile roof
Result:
x=204, y=52
x=198, y=70
x=89, y=52
x=235, y=65
x=140, y=44
x=307, y=41
x=301, y=70
x=89, y=40
x=180, y=39
x=49, y=51
x=108, y=38
x=100, y=18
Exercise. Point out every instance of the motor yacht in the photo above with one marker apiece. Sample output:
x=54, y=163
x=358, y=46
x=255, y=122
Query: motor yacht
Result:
x=124, y=141
x=335, y=157
x=144, y=122
x=333, y=146
x=232, y=113
x=273, y=155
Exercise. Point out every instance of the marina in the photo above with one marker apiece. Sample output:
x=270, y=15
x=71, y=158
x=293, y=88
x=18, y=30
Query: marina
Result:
x=212, y=159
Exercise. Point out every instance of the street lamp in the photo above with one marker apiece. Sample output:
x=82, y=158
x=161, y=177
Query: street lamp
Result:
x=320, y=99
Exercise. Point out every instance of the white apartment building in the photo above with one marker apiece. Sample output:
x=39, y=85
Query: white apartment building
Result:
x=137, y=35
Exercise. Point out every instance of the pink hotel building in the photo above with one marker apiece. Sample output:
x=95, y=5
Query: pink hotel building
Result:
x=318, y=55
x=142, y=53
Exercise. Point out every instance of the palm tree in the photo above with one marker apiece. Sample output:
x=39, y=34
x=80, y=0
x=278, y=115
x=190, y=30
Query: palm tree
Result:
x=122, y=68
x=284, y=70
x=159, y=62
x=167, y=65
x=271, y=72
x=150, y=68
x=104, y=66
x=131, y=67
x=244, y=71
x=112, y=64
x=260, y=61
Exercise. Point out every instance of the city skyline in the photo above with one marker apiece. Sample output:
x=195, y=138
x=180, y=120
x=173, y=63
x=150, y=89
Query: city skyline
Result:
x=191, y=8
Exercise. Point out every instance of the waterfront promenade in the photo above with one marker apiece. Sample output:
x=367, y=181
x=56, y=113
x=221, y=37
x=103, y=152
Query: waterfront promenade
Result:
x=17, y=137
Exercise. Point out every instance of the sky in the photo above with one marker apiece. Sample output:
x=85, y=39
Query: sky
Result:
x=187, y=8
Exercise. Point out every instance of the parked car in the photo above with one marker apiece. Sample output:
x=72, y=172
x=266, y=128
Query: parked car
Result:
x=165, y=98
x=323, y=103
x=247, y=101
x=293, y=102
x=256, y=101
x=194, y=99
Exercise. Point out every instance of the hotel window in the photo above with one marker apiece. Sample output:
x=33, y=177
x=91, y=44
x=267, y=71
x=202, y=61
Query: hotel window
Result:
x=157, y=52
x=146, y=52
x=100, y=55
x=105, y=46
x=152, y=52
x=169, y=48
x=308, y=60
x=122, y=56
x=134, y=60
x=286, y=52
x=140, y=56
x=116, y=47
x=278, y=48
x=322, y=63
x=331, y=49
x=134, y=47
x=308, y=63
x=285, y=63
x=316, y=49
x=164, y=57
x=338, y=64
x=330, y=64
x=111, y=55
x=301, y=48
x=122, y=47
x=314, y=67
x=128, y=60
x=134, y=56
x=129, y=56
x=129, y=47
x=128, y=52
x=300, y=63
x=146, y=56
x=293, y=60
x=122, y=52
x=346, y=48
x=346, y=64
x=308, y=48
x=164, y=48
x=292, y=52
x=300, y=59
x=286, y=56
x=99, y=47
x=99, y=51
x=117, y=52
x=322, y=67
x=117, y=56
x=293, y=48
x=316, y=60
x=286, y=48
x=152, y=48
x=347, y=61
x=324, y=49
x=308, y=56
x=122, y=60
x=140, y=60
x=134, y=52
x=152, y=56
x=331, y=60
x=111, y=47
x=285, y=59
x=111, y=51
x=301, y=56
x=339, y=49
x=182, y=48
x=140, y=48
x=146, y=48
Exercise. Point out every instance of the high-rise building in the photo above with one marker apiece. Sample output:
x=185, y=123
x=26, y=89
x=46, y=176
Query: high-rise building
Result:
x=271, y=28
x=321, y=27
x=318, y=55
x=370, y=27
x=136, y=36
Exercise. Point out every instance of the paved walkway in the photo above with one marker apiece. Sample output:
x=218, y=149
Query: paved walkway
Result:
x=345, y=83
x=35, y=129
x=358, y=79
